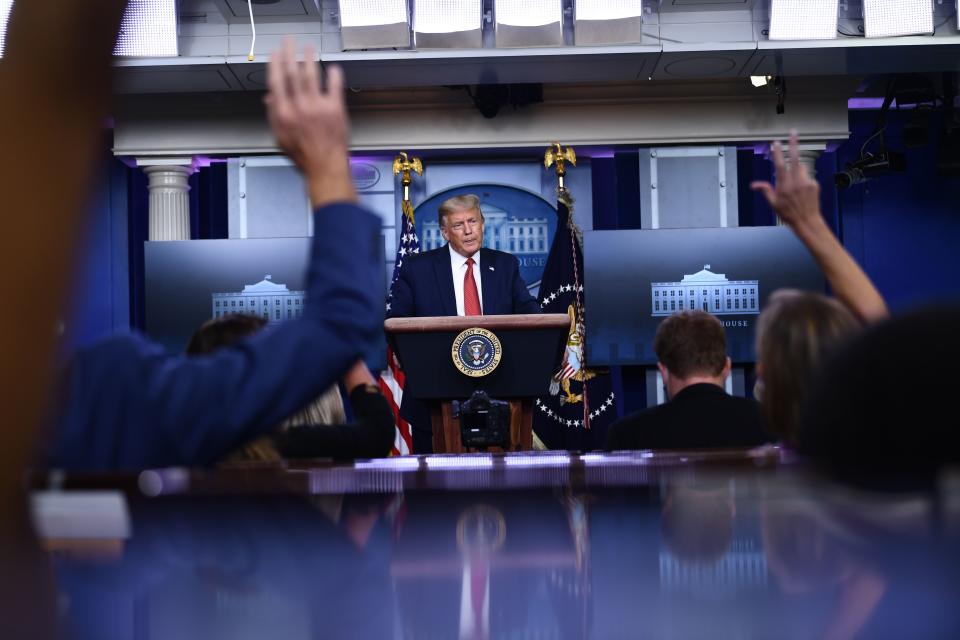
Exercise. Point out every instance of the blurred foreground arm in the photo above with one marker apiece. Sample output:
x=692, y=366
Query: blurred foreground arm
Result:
x=129, y=404
x=56, y=77
x=796, y=199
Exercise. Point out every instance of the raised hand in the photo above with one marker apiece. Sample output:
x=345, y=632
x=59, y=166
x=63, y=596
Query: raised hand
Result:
x=796, y=196
x=309, y=121
x=796, y=199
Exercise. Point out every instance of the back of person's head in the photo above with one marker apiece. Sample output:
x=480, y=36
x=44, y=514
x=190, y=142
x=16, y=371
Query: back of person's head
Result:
x=691, y=343
x=885, y=402
x=796, y=332
x=222, y=332
x=696, y=523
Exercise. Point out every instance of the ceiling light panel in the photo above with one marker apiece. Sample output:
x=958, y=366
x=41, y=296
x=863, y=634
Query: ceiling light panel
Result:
x=608, y=9
x=374, y=24
x=803, y=19
x=528, y=13
x=599, y=22
x=448, y=23
x=148, y=29
x=528, y=23
x=5, y=6
x=882, y=18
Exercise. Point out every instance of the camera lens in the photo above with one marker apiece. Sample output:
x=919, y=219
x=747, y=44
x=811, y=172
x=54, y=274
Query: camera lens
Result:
x=849, y=177
x=843, y=179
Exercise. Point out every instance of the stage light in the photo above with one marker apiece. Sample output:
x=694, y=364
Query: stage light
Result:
x=760, y=81
x=803, y=19
x=374, y=24
x=528, y=23
x=448, y=23
x=599, y=22
x=5, y=7
x=148, y=29
x=882, y=18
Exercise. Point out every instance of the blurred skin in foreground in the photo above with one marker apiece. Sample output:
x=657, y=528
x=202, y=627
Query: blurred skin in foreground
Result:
x=56, y=79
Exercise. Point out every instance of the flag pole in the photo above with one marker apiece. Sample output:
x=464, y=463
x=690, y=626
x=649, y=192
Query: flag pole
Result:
x=392, y=379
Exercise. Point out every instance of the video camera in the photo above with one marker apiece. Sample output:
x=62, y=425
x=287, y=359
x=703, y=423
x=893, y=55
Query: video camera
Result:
x=484, y=422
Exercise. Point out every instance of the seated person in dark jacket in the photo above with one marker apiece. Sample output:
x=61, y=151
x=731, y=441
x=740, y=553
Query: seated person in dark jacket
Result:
x=692, y=351
x=316, y=430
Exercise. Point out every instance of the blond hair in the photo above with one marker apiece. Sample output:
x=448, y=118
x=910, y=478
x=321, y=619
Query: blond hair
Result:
x=796, y=333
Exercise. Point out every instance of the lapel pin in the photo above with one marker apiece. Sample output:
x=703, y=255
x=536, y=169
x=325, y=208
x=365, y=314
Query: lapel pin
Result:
x=491, y=268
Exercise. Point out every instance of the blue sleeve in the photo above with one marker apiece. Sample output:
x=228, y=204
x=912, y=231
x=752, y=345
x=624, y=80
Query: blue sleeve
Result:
x=129, y=404
x=523, y=302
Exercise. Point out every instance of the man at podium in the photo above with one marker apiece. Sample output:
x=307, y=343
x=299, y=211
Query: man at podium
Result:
x=461, y=278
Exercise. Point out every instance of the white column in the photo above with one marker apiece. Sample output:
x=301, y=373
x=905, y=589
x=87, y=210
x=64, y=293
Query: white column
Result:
x=169, y=197
x=809, y=153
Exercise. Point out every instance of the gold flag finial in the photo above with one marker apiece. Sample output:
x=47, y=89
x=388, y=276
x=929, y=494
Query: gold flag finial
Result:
x=557, y=155
x=403, y=165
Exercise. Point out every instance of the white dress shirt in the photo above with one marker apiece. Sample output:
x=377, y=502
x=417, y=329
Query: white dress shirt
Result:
x=459, y=266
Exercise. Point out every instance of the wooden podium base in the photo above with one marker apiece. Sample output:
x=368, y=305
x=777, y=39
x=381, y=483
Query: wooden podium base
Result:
x=446, y=428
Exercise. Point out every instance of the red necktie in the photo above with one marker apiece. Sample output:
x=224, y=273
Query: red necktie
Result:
x=471, y=298
x=478, y=595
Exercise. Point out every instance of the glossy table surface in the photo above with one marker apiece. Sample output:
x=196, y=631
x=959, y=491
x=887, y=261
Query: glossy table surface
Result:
x=677, y=545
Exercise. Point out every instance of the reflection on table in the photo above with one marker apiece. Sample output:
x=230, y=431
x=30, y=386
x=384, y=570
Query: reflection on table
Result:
x=682, y=545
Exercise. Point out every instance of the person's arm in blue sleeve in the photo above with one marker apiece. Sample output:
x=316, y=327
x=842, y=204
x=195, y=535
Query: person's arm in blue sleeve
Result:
x=128, y=404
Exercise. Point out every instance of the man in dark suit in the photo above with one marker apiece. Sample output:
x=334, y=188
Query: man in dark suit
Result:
x=692, y=351
x=461, y=278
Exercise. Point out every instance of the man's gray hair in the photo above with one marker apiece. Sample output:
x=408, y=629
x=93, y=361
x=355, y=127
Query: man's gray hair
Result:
x=466, y=202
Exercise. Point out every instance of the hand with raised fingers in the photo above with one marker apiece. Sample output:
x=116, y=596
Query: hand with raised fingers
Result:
x=309, y=120
x=795, y=196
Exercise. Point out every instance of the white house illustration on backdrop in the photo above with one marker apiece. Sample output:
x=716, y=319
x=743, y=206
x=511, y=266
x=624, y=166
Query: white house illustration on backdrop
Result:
x=266, y=298
x=502, y=232
x=708, y=291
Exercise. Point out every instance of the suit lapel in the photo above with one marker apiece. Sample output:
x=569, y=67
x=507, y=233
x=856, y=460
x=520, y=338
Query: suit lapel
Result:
x=444, y=273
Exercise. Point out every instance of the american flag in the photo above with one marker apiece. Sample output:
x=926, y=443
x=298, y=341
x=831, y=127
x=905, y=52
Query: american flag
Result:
x=566, y=372
x=392, y=379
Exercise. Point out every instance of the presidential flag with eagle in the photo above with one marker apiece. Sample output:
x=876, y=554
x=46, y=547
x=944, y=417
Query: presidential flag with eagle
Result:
x=580, y=404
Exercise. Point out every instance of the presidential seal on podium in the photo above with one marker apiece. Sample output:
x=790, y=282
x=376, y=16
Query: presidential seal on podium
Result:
x=476, y=352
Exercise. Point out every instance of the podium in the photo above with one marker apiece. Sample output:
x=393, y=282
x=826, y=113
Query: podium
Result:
x=532, y=348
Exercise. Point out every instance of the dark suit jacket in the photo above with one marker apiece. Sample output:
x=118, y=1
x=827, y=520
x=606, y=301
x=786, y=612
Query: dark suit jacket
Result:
x=128, y=404
x=425, y=286
x=702, y=416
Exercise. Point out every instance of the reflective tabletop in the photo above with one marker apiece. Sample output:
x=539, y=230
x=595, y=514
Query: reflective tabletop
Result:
x=553, y=545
